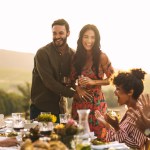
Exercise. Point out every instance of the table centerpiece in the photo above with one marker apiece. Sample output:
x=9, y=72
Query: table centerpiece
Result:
x=46, y=121
x=67, y=131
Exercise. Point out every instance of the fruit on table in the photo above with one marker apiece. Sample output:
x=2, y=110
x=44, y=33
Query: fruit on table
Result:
x=98, y=142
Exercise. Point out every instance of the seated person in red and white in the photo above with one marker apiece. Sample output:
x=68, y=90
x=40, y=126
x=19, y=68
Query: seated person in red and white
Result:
x=129, y=86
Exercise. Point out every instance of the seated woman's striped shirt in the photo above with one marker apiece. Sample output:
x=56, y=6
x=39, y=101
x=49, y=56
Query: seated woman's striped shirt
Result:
x=127, y=134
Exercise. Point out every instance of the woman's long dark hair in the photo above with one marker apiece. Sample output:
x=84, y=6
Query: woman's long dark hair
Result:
x=80, y=56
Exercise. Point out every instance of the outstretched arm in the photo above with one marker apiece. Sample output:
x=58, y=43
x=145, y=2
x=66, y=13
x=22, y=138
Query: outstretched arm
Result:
x=141, y=118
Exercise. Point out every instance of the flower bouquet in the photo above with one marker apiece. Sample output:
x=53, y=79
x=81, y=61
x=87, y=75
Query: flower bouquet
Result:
x=46, y=117
x=46, y=121
x=67, y=131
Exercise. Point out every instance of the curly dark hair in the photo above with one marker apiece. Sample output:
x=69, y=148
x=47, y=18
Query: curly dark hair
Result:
x=132, y=80
x=80, y=56
x=61, y=22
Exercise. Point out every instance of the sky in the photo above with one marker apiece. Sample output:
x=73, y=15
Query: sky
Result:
x=124, y=25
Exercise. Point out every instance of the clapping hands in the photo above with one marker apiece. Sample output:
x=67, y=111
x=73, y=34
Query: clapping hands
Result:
x=114, y=122
x=107, y=120
x=141, y=118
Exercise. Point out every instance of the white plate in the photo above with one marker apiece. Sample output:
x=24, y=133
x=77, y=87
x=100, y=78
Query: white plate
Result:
x=116, y=145
x=1, y=127
x=90, y=135
x=2, y=130
x=93, y=137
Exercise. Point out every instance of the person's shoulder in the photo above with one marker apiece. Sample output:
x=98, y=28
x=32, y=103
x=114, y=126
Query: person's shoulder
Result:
x=72, y=50
x=45, y=48
x=104, y=58
x=103, y=55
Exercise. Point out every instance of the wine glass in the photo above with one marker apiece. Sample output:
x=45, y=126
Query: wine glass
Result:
x=66, y=81
x=64, y=118
x=18, y=121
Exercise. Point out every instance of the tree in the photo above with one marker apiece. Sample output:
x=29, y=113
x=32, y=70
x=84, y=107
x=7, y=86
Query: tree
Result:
x=10, y=102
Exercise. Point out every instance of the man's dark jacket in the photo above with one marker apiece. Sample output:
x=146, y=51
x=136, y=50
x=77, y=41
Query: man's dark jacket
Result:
x=49, y=68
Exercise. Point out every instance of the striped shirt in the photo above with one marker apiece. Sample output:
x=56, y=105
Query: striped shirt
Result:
x=127, y=134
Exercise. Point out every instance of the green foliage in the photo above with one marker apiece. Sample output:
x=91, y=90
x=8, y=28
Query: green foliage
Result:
x=111, y=99
x=10, y=78
x=25, y=91
x=10, y=102
x=17, y=84
x=2, y=106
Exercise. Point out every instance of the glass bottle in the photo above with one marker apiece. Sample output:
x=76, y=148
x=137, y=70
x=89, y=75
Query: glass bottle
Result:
x=84, y=126
x=83, y=120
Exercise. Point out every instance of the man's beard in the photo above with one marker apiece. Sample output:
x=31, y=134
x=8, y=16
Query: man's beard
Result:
x=61, y=42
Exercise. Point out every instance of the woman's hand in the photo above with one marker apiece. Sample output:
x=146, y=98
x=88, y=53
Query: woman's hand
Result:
x=83, y=94
x=114, y=122
x=107, y=120
x=141, y=118
x=144, y=105
x=101, y=119
x=83, y=81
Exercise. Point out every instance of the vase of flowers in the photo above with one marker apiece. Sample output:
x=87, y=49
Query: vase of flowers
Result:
x=46, y=121
x=67, y=131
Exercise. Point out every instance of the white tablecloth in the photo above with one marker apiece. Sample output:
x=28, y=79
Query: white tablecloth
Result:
x=112, y=145
x=9, y=148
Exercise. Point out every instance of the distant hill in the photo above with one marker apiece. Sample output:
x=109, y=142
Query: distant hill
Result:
x=16, y=60
x=15, y=69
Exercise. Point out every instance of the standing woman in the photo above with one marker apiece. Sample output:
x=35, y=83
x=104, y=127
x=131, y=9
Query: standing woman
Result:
x=90, y=66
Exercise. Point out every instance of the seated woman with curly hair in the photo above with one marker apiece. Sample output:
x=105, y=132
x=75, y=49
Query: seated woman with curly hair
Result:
x=129, y=86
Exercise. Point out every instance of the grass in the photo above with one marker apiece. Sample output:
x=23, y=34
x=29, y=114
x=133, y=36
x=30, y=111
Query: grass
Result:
x=10, y=78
